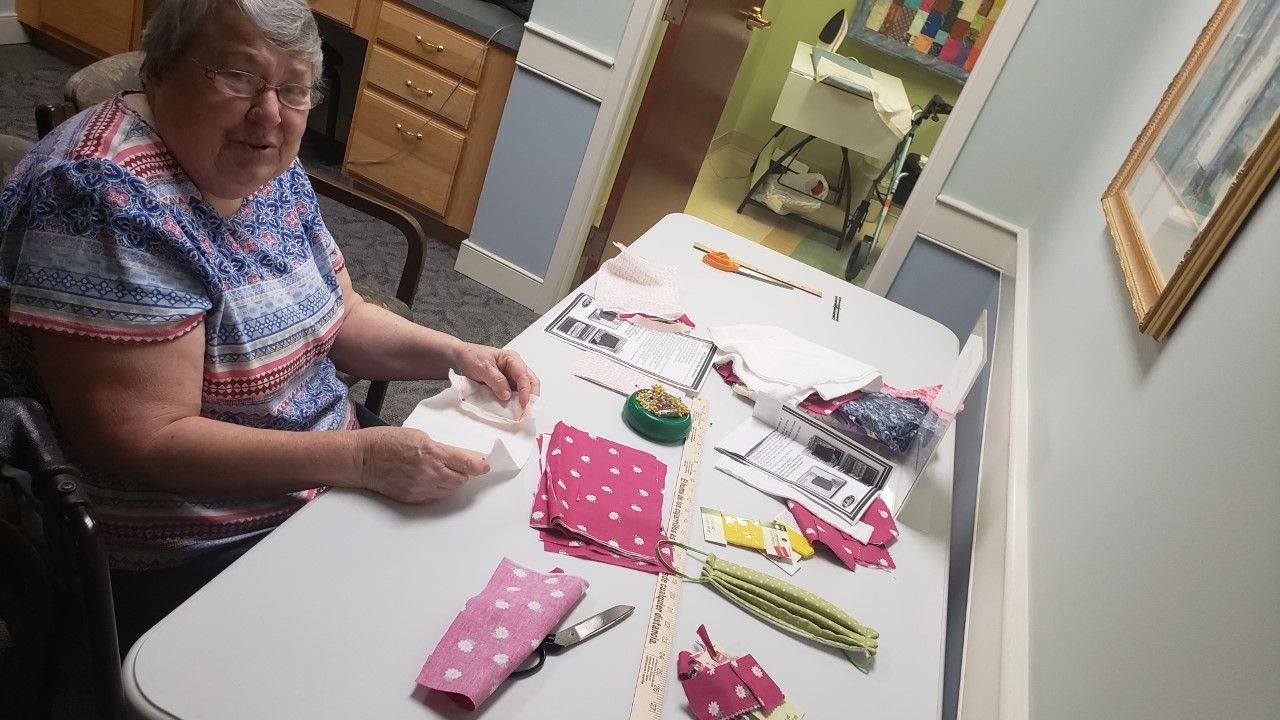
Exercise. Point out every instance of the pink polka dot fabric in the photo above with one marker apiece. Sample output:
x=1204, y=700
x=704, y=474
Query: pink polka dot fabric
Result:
x=599, y=499
x=497, y=629
x=718, y=686
x=874, y=553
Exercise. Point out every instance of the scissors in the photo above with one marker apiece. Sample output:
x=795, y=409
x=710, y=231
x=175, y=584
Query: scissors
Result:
x=557, y=643
x=722, y=261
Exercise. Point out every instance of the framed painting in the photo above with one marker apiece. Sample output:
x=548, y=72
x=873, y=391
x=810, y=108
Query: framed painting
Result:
x=1207, y=154
x=944, y=36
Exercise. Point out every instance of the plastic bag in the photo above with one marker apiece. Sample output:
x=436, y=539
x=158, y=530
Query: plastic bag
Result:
x=785, y=200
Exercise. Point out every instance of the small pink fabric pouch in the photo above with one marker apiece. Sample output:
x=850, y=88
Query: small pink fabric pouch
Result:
x=874, y=553
x=599, y=499
x=718, y=686
x=497, y=629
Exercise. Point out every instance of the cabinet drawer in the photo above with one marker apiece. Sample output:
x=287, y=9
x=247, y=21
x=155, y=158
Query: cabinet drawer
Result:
x=420, y=169
x=433, y=42
x=420, y=86
x=101, y=24
x=344, y=11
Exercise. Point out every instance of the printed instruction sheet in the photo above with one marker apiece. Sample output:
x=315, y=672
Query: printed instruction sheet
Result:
x=798, y=457
x=678, y=359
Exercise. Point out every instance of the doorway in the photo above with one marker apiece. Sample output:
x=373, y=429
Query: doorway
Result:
x=704, y=130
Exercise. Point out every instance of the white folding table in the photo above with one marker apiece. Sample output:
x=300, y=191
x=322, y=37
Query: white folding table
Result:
x=333, y=614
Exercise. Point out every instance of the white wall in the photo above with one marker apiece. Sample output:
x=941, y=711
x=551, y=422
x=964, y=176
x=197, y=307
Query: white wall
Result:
x=1154, y=498
x=575, y=54
x=11, y=31
x=597, y=25
x=1075, y=63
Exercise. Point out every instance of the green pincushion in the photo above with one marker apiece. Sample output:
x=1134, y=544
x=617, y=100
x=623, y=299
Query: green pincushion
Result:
x=659, y=429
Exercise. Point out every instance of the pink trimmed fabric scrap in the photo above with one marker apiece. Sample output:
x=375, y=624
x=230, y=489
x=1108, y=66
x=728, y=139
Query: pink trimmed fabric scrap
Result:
x=497, y=629
x=815, y=404
x=683, y=319
x=599, y=499
x=874, y=553
x=719, y=686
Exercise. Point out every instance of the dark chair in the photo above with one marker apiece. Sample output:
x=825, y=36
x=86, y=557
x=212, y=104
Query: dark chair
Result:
x=53, y=565
x=107, y=77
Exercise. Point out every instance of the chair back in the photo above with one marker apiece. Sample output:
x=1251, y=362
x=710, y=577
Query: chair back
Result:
x=104, y=79
x=51, y=558
x=12, y=150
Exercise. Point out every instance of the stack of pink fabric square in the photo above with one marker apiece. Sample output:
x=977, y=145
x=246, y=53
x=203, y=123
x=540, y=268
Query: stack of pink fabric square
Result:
x=497, y=629
x=599, y=499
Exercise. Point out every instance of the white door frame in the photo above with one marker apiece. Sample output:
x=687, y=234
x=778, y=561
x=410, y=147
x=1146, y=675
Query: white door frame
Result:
x=615, y=83
x=924, y=198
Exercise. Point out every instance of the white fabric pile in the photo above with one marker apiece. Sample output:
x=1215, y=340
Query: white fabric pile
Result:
x=773, y=361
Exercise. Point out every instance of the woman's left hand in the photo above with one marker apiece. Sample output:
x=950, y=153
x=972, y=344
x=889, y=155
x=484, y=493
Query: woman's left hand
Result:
x=501, y=370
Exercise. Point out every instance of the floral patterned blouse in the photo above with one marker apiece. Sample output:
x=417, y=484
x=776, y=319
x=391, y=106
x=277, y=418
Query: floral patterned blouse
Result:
x=106, y=238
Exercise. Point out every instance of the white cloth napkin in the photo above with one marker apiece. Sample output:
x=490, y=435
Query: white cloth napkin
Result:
x=469, y=416
x=630, y=284
x=773, y=361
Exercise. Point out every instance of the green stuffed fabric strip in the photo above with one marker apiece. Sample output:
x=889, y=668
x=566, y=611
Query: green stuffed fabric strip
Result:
x=822, y=629
x=766, y=597
x=785, y=624
x=781, y=588
x=782, y=619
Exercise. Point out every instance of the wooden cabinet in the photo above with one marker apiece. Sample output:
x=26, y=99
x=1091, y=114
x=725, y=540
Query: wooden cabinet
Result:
x=430, y=41
x=97, y=28
x=344, y=11
x=430, y=101
x=421, y=87
x=405, y=151
x=427, y=107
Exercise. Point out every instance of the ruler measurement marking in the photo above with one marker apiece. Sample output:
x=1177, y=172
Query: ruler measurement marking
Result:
x=655, y=662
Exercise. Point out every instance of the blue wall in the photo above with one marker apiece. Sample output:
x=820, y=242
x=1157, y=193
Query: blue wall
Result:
x=536, y=157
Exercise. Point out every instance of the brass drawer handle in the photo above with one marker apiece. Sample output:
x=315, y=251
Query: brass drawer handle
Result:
x=409, y=84
x=406, y=133
x=434, y=46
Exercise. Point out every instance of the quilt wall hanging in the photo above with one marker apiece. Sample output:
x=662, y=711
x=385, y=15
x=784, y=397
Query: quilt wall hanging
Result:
x=944, y=36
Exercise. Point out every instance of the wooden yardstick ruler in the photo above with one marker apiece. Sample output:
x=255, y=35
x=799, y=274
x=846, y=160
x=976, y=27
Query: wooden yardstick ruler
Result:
x=655, y=662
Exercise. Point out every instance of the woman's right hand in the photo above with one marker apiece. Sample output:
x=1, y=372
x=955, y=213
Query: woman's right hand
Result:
x=406, y=465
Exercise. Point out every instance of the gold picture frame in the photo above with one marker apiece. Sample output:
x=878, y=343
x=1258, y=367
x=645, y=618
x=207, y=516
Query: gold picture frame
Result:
x=1199, y=165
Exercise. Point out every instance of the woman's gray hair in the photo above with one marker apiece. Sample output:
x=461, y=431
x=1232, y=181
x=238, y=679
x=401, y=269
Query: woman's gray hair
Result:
x=287, y=24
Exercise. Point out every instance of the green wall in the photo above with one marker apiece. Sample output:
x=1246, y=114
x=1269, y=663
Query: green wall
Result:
x=765, y=66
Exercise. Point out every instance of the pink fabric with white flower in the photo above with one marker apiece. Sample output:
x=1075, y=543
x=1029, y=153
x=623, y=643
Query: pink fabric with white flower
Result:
x=873, y=553
x=599, y=499
x=719, y=686
x=497, y=629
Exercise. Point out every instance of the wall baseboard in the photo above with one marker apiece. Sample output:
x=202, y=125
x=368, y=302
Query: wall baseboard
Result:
x=1015, y=680
x=994, y=671
x=492, y=271
x=984, y=615
x=11, y=31
x=976, y=233
x=739, y=140
x=565, y=61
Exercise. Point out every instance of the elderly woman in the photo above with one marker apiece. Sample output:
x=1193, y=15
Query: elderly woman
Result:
x=174, y=295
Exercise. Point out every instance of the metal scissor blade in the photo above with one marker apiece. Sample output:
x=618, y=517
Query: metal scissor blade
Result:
x=761, y=278
x=592, y=626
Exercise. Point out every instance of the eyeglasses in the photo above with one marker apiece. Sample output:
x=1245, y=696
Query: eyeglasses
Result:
x=247, y=85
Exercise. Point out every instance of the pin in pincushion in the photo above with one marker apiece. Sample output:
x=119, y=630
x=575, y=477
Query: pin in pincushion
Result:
x=657, y=415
